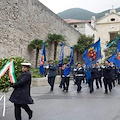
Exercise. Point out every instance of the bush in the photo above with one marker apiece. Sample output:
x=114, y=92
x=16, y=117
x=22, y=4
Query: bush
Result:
x=35, y=73
x=5, y=81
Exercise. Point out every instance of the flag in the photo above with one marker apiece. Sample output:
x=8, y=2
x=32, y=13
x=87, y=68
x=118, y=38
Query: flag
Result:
x=71, y=59
x=88, y=74
x=107, y=46
x=92, y=54
x=70, y=62
x=61, y=57
x=43, y=59
x=116, y=56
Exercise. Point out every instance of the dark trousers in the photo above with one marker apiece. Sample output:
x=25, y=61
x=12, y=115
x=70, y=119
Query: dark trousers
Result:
x=78, y=81
x=118, y=76
x=74, y=79
x=66, y=83
x=61, y=82
x=18, y=110
x=91, y=85
x=113, y=82
x=98, y=81
x=107, y=82
x=51, y=81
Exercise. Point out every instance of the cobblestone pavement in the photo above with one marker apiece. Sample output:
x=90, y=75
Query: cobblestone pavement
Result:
x=59, y=105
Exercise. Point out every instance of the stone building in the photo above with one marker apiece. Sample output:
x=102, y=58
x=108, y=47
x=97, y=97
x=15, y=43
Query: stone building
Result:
x=107, y=27
x=86, y=27
x=22, y=21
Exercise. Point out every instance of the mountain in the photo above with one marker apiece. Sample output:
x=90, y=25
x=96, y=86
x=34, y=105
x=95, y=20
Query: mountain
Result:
x=81, y=14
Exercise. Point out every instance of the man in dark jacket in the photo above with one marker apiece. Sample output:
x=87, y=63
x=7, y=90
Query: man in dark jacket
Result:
x=107, y=77
x=79, y=76
x=51, y=74
x=21, y=94
x=98, y=75
x=113, y=73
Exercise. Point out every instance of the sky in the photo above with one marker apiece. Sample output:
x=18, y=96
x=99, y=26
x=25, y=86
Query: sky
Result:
x=95, y=6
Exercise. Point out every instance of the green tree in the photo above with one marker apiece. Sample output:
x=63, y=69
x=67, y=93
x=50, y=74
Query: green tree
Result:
x=5, y=80
x=110, y=51
x=83, y=43
x=55, y=39
x=37, y=45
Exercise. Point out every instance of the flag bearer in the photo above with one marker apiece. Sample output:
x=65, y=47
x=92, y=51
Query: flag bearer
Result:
x=62, y=77
x=66, y=77
x=91, y=81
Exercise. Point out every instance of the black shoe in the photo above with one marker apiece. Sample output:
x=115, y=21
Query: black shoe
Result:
x=106, y=93
x=66, y=90
x=60, y=86
x=31, y=114
x=51, y=89
x=90, y=91
x=78, y=91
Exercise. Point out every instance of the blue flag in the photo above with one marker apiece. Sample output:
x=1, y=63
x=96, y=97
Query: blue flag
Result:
x=70, y=62
x=61, y=57
x=117, y=38
x=92, y=54
x=71, y=59
x=88, y=74
x=43, y=59
x=116, y=56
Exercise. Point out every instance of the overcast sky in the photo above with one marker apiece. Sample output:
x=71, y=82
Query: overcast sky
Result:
x=95, y=6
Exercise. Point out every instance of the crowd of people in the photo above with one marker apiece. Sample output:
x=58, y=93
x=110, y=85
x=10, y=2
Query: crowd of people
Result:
x=109, y=75
x=103, y=75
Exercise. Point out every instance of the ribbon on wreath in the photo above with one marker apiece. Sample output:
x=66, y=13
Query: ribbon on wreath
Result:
x=9, y=65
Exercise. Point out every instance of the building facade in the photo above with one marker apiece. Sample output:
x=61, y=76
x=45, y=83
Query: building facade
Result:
x=83, y=26
x=107, y=27
x=104, y=28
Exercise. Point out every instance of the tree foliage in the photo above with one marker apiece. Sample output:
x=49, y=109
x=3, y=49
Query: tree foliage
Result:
x=55, y=39
x=37, y=45
x=83, y=43
x=5, y=81
x=110, y=51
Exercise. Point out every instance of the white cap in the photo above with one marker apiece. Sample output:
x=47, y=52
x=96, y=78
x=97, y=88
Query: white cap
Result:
x=26, y=64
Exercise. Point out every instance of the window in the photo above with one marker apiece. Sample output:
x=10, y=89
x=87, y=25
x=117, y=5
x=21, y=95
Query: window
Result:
x=112, y=36
x=75, y=26
x=112, y=19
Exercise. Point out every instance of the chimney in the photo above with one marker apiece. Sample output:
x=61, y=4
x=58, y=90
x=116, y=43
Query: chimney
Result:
x=93, y=22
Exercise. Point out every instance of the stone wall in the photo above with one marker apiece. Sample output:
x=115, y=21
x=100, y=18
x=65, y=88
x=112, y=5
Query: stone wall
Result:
x=21, y=21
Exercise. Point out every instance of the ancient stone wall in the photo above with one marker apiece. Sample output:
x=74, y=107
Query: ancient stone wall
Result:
x=21, y=21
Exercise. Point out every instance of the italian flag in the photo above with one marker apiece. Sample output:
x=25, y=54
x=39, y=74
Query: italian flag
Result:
x=9, y=65
x=12, y=73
